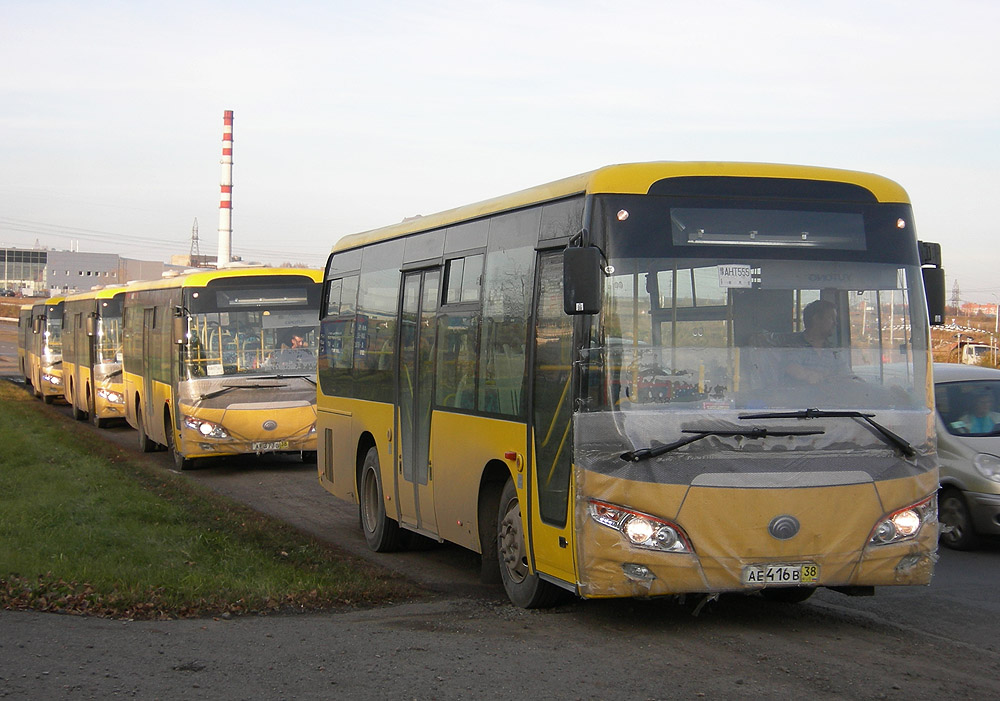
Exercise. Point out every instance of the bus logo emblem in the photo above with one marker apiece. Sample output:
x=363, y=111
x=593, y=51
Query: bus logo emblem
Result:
x=783, y=527
x=269, y=425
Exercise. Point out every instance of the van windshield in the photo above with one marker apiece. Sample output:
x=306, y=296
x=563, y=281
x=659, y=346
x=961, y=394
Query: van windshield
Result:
x=969, y=408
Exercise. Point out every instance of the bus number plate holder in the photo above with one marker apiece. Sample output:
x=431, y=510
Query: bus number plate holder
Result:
x=781, y=575
x=266, y=446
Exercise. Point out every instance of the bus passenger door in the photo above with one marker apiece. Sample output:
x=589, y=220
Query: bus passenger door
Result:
x=415, y=392
x=551, y=425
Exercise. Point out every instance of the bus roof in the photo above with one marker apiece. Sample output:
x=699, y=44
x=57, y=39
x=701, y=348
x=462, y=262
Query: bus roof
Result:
x=201, y=278
x=627, y=178
x=101, y=293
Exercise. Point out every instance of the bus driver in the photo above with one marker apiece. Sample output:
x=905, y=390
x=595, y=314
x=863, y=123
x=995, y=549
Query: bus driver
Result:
x=819, y=360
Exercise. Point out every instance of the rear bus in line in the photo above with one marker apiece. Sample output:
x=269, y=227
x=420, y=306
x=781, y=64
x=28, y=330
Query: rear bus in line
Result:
x=591, y=383
x=222, y=362
x=44, y=352
x=92, y=355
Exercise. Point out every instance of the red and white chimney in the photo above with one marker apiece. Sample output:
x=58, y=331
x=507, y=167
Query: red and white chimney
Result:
x=226, y=192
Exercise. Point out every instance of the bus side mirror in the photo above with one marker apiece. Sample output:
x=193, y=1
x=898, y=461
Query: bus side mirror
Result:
x=935, y=292
x=582, y=280
x=90, y=324
x=180, y=328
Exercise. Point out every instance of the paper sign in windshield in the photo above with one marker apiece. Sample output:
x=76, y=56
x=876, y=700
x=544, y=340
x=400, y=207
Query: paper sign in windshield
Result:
x=735, y=276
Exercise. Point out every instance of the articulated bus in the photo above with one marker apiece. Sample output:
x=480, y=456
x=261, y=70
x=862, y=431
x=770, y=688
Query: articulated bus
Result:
x=43, y=352
x=222, y=362
x=651, y=379
x=92, y=355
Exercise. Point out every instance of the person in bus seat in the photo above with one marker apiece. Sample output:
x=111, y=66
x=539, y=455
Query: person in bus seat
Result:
x=981, y=418
x=815, y=359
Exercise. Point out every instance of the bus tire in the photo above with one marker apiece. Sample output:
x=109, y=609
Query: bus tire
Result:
x=49, y=398
x=381, y=532
x=953, y=513
x=180, y=462
x=146, y=445
x=523, y=588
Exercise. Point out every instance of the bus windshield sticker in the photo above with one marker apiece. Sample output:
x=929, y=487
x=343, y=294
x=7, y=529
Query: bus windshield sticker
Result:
x=735, y=276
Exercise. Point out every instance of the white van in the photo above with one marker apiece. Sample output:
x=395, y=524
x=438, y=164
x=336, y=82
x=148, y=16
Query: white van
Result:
x=976, y=353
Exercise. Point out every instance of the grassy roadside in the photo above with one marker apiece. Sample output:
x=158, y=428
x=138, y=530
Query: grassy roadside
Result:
x=85, y=528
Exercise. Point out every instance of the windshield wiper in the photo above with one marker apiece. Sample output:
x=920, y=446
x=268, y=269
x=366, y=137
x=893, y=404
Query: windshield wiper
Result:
x=893, y=439
x=756, y=432
x=307, y=378
x=226, y=388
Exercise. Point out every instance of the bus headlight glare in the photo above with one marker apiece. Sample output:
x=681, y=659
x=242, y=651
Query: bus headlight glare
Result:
x=905, y=523
x=205, y=428
x=111, y=397
x=639, y=529
x=52, y=379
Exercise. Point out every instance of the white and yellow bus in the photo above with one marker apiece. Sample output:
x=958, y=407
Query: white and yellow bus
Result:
x=92, y=354
x=43, y=352
x=591, y=383
x=222, y=362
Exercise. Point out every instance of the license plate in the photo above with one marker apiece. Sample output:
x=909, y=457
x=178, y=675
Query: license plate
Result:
x=262, y=446
x=781, y=575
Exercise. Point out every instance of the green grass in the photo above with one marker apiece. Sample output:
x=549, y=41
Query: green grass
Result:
x=87, y=528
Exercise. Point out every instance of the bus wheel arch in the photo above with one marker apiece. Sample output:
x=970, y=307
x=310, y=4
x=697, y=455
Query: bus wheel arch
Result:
x=146, y=444
x=524, y=588
x=180, y=462
x=495, y=475
x=382, y=533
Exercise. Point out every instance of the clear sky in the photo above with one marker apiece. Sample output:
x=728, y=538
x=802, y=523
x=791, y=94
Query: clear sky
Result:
x=353, y=115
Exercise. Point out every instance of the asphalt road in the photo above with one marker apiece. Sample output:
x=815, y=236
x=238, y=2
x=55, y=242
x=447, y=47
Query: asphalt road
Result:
x=464, y=641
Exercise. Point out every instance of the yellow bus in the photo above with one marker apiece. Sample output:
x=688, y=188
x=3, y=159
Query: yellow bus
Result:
x=590, y=383
x=222, y=362
x=43, y=353
x=92, y=354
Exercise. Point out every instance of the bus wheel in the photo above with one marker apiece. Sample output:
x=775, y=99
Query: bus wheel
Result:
x=180, y=462
x=957, y=532
x=49, y=398
x=788, y=595
x=523, y=588
x=381, y=532
x=145, y=444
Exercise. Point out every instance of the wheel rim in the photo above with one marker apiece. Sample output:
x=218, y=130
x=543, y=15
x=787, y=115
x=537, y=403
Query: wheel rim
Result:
x=954, y=517
x=370, y=501
x=511, y=545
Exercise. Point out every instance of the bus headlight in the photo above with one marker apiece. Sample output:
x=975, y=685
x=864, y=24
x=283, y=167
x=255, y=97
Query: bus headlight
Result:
x=52, y=379
x=988, y=466
x=639, y=529
x=905, y=523
x=110, y=397
x=205, y=428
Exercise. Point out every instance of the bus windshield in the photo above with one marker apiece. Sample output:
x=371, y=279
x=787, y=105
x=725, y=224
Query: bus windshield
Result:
x=731, y=319
x=718, y=333
x=109, y=331
x=251, y=341
x=53, y=332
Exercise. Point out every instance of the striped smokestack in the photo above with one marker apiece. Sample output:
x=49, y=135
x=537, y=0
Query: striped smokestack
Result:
x=226, y=192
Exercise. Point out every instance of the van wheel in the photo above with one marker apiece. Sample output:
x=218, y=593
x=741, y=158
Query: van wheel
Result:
x=381, y=532
x=957, y=532
x=523, y=588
